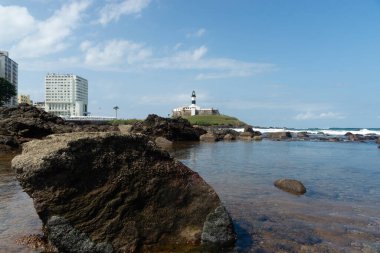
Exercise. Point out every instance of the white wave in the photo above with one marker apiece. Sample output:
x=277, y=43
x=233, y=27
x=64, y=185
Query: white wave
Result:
x=363, y=131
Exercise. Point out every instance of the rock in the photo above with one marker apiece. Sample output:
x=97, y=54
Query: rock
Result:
x=378, y=140
x=257, y=138
x=248, y=129
x=176, y=129
x=354, y=137
x=103, y=191
x=218, y=228
x=279, y=135
x=208, y=137
x=302, y=135
x=125, y=129
x=229, y=137
x=291, y=186
x=163, y=143
x=247, y=136
x=66, y=238
x=25, y=122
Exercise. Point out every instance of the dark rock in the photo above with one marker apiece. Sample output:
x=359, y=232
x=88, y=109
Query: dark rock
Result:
x=354, y=137
x=302, y=135
x=103, y=190
x=163, y=143
x=247, y=136
x=218, y=228
x=291, y=186
x=176, y=129
x=25, y=122
x=248, y=129
x=279, y=135
x=209, y=137
x=378, y=140
x=229, y=137
x=66, y=238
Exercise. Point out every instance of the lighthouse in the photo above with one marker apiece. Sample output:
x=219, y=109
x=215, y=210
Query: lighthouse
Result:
x=193, y=98
x=193, y=107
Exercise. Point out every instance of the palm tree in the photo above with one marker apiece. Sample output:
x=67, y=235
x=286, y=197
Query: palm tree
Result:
x=116, y=108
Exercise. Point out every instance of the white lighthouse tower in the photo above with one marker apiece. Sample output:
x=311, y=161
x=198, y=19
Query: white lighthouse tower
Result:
x=193, y=106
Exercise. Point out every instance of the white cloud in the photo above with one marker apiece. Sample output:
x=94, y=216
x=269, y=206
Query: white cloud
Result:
x=197, y=34
x=124, y=55
x=16, y=22
x=51, y=35
x=114, y=52
x=113, y=11
x=323, y=115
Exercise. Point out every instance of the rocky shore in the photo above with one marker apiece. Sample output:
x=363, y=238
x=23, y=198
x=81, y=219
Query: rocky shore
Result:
x=108, y=192
x=98, y=189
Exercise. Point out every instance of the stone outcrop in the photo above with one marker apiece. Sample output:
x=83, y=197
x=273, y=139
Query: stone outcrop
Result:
x=108, y=192
x=247, y=136
x=163, y=143
x=279, y=135
x=173, y=129
x=291, y=186
x=25, y=122
x=209, y=137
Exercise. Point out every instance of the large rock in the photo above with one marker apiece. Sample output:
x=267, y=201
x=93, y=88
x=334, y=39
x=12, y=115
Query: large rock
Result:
x=279, y=135
x=209, y=137
x=173, y=129
x=108, y=192
x=291, y=186
x=25, y=122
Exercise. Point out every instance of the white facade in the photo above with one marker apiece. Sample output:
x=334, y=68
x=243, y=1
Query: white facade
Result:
x=9, y=71
x=193, y=109
x=66, y=95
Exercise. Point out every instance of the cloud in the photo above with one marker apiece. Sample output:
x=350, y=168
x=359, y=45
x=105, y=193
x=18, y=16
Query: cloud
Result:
x=114, y=52
x=196, y=60
x=197, y=34
x=124, y=55
x=17, y=21
x=113, y=11
x=51, y=35
x=323, y=115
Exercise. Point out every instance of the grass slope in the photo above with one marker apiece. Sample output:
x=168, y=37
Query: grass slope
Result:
x=215, y=120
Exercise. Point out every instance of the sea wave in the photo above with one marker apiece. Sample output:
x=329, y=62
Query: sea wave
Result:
x=329, y=131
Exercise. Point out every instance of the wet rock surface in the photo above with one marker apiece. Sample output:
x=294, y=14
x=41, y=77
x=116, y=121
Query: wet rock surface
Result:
x=107, y=192
x=173, y=129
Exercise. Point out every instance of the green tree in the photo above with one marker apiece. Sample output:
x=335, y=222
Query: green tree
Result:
x=7, y=90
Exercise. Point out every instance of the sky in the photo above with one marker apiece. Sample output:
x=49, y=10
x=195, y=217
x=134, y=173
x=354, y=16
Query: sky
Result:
x=279, y=63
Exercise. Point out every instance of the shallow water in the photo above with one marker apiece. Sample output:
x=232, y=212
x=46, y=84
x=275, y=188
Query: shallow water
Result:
x=339, y=213
x=17, y=215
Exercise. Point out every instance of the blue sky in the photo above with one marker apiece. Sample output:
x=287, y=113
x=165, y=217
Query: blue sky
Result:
x=292, y=63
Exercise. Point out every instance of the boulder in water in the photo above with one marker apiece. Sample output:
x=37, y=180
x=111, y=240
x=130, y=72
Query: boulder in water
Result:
x=108, y=192
x=173, y=129
x=291, y=186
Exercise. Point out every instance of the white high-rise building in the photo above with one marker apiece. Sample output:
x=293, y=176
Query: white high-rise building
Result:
x=9, y=71
x=66, y=95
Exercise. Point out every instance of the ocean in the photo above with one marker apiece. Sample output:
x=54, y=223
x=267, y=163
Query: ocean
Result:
x=326, y=131
x=340, y=211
